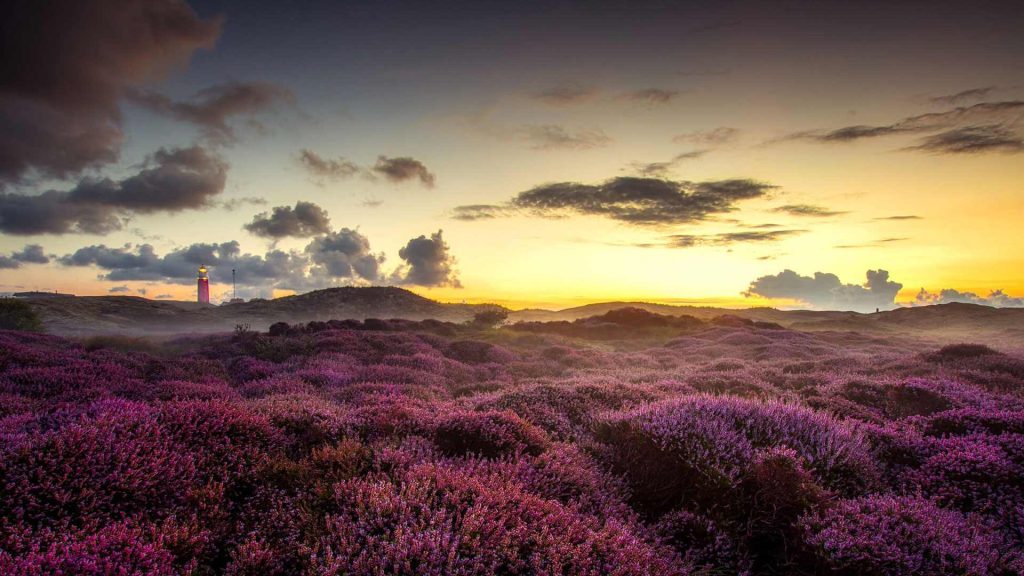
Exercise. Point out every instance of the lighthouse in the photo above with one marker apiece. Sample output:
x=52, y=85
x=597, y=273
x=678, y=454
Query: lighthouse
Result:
x=204, y=286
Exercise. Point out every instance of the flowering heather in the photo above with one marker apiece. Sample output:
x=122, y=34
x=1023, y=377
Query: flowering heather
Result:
x=629, y=444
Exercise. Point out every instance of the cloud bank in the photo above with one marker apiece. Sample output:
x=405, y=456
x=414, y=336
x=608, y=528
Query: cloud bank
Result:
x=825, y=291
x=636, y=201
x=981, y=127
x=995, y=298
x=67, y=63
x=30, y=254
x=171, y=180
x=338, y=258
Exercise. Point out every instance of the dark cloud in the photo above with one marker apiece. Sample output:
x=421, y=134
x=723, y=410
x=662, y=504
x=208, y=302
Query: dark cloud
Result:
x=728, y=238
x=343, y=254
x=170, y=181
x=807, y=210
x=826, y=291
x=996, y=298
x=325, y=168
x=403, y=169
x=304, y=220
x=851, y=133
x=119, y=289
x=973, y=140
x=652, y=95
x=715, y=137
x=982, y=127
x=213, y=108
x=552, y=136
x=276, y=269
x=331, y=259
x=472, y=212
x=900, y=217
x=640, y=201
x=65, y=66
x=662, y=169
x=428, y=262
x=566, y=95
x=164, y=297
x=963, y=96
x=30, y=254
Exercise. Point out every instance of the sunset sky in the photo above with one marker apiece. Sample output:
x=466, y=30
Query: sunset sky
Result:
x=529, y=153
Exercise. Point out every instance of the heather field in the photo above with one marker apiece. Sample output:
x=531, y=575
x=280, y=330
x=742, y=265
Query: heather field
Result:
x=625, y=444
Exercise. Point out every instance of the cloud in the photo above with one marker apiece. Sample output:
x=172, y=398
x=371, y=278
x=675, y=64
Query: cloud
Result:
x=397, y=169
x=566, y=95
x=899, y=217
x=304, y=220
x=332, y=259
x=963, y=96
x=661, y=169
x=213, y=108
x=996, y=298
x=472, y=212
x=428, y=262
x=651, y=96
x=728, y=238
x=826, y=291
x=30, y=254
x=981, y=127
x=552, y=136
x=343, y=254
x=876, y=244
x=170, y=181
x=709, y=138
x=851, y=133
x=236, y=203
x=119, y=289
x=403, y=169
x=807, y=210
x=638, y=201
x=327, y=169
x=972, y=140
x=65, y=66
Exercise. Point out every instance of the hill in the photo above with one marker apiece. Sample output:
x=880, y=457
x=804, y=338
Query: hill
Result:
x=84, y=315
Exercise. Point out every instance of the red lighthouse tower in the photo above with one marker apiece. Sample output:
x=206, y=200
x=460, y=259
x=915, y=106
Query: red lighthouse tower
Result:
x=204, y=286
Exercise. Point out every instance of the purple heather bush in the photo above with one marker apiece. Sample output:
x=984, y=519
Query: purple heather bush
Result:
x=887, y=536
x=628, y=444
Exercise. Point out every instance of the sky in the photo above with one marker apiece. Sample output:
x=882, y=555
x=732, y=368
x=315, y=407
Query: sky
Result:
x=833, y=155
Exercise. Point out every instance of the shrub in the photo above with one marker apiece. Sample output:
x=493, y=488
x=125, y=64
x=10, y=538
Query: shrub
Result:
x=439, y=520
x=489, y=434
x=955, y=352
x=886, y=535
x=489, y=318
x=115, y=549
x=18, y=315
x=696, y=447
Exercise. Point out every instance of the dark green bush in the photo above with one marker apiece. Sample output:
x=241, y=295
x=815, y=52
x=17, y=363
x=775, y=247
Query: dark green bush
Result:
x=18, y=315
